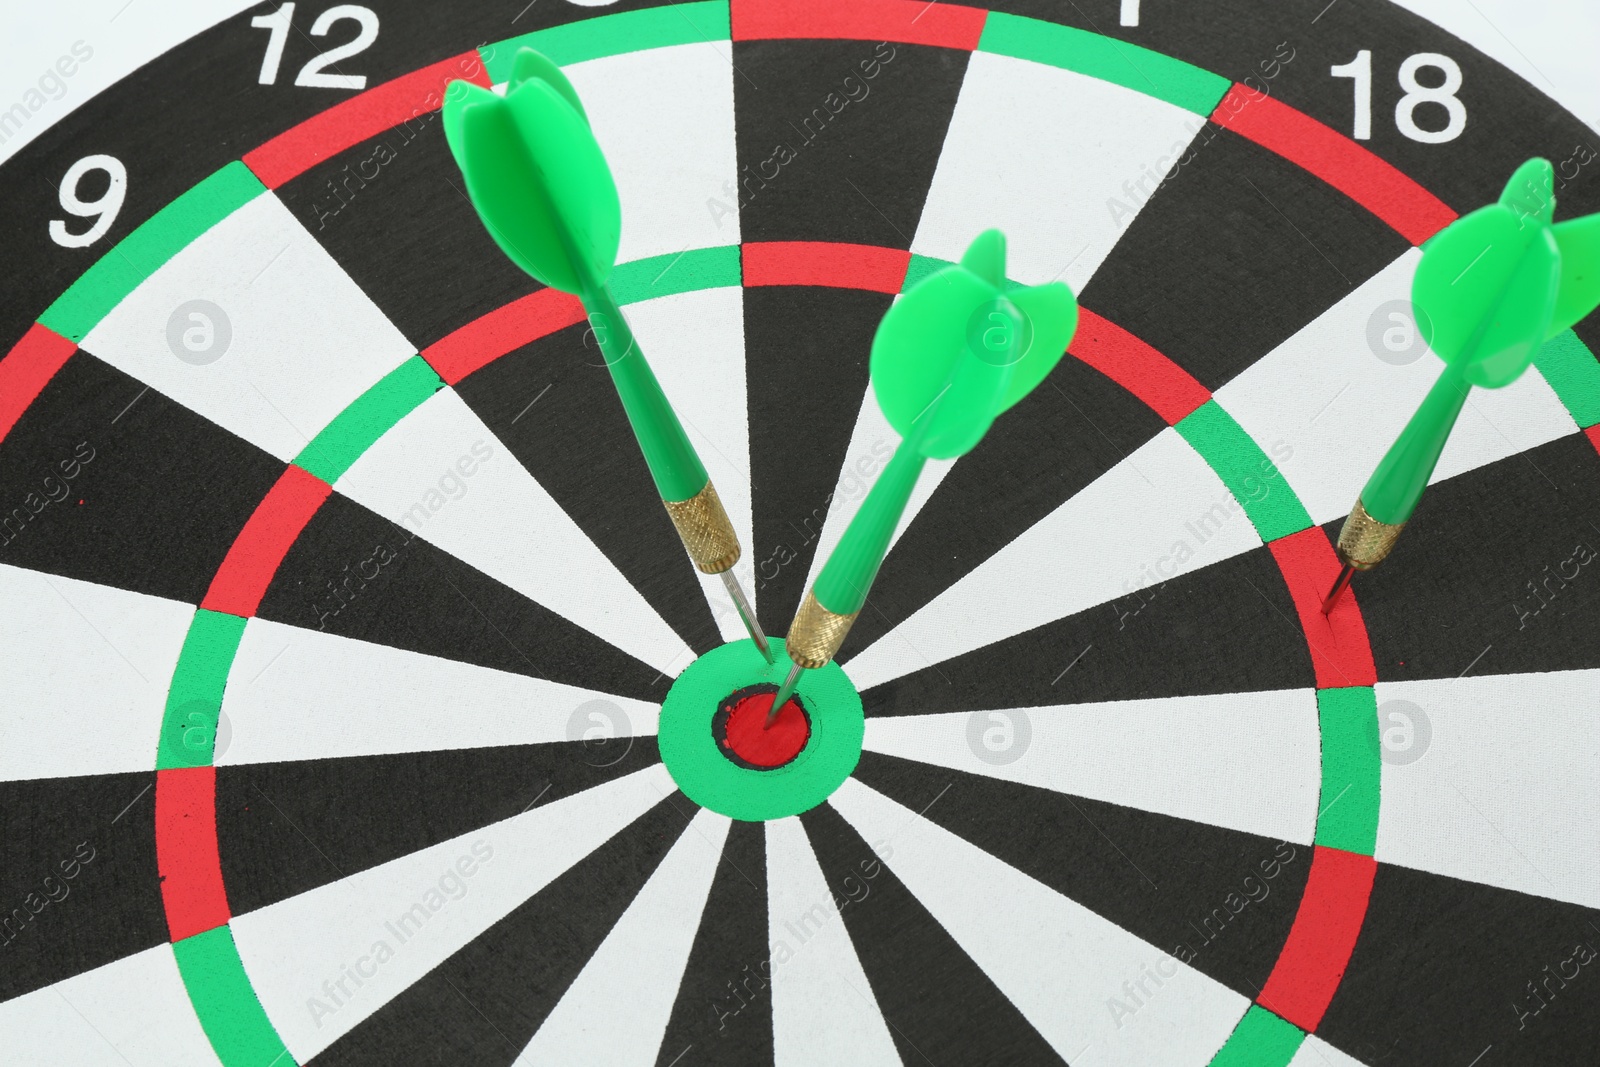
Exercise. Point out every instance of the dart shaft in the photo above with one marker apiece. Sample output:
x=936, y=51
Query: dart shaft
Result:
x=1391, y=494
x=842, y=585
x=686, y=490
x=673, y=462
x=830, y=608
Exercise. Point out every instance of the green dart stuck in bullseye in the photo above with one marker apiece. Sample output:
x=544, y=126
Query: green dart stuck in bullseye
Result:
x=950, y=357
x=1492, y=287
x=539, y=181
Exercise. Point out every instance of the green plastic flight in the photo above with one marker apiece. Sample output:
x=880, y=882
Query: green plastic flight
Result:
x=1492, y=287
x=540, y=183
x=950, y=356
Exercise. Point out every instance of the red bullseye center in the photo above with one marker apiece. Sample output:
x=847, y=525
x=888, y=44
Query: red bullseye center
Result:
x=744, y=736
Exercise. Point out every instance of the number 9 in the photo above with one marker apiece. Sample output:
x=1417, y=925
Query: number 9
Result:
x=103, y=211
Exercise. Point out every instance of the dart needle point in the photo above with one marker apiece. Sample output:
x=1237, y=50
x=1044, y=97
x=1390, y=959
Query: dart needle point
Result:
x=782, y=696
x=746, y=614
x=1339, y=586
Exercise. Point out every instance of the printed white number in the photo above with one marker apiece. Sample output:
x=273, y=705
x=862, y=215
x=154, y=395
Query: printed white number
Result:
x=1130, y=12
x=1360, y=70
x=103, y=210
x=312, y=76
x=1444, y=95
x=278, y=24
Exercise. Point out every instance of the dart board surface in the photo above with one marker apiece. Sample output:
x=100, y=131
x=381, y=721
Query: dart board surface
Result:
x=338, y=609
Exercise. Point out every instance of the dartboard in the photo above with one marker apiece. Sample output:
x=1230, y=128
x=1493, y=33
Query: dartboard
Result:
x=343, y=628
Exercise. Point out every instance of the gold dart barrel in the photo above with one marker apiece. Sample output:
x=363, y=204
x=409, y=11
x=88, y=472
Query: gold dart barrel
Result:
x=706, y=532
x=816, y=634
x=1364, y=541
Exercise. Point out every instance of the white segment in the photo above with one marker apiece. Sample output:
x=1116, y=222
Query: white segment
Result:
x=1505, y=793
x=97, y=663
x=1498, y=423
x=664, y=118
x=295, y=950
x=823, y=1009
x=1024, y=135
x=1325, y=395
x=638, y=965
x=872, y=443
x=306, y=341
x=296, y=694
x=1157, y=514
x=133, y=1012
x=1197, y=757
x=695, y=344
x=498, y=519
x=1315, y=1052
x=1063, y=966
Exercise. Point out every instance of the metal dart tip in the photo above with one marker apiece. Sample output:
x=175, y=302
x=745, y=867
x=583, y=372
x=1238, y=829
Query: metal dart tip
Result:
x=784, y=693
x=1339, y=586
x=747, y=615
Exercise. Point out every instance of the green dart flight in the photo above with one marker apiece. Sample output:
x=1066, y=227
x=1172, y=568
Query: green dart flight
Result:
x=1492, y=287
x=950, y=357
x=541, y=185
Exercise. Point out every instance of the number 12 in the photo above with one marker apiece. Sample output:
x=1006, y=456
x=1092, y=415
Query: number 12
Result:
x=314, y=74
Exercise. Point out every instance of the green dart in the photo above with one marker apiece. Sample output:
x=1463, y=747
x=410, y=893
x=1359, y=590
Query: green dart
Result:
x=1492, y=287
x=541, y=185
x=950, y=356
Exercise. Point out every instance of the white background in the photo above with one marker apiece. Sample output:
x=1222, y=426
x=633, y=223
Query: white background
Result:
x=1555, y=44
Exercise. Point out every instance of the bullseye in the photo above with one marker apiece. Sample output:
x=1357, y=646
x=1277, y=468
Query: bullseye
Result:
x=714, y=739
x=740, y=727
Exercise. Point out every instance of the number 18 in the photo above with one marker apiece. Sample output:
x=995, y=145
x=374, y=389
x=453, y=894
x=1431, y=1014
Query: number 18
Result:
x=1359, y=70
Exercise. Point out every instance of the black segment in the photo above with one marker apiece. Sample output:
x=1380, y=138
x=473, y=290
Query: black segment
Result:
x=723, y=1014
x=285, y=828
x=838, y=140
x=940, y=1006
x=394, y=212
x=1445, y=971
x=1230, y=627
x=483, y=1005
x=553, y=405
x=78, y=885
x=1498, y=572
x=1233, y=255
x=1217, y=899
x=425, y=600
x=806, y=362
x=105, y=480
x=1070, y=430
